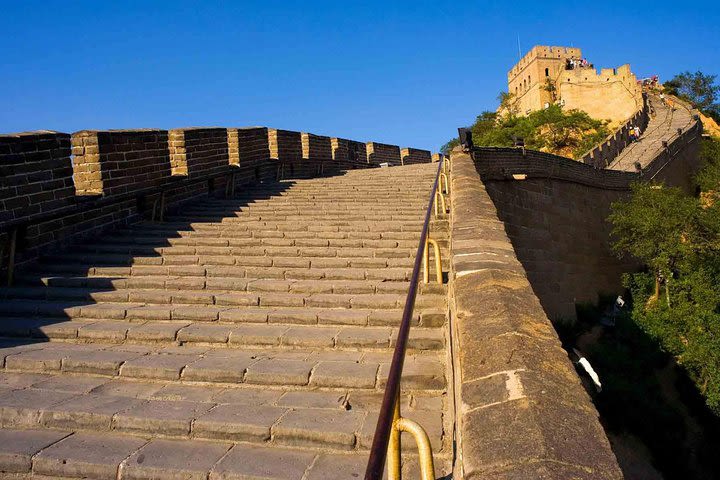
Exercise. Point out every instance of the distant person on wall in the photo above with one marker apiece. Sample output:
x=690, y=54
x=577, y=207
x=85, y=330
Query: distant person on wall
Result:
x=632, y=134
x=662, y=99
x=636, y=129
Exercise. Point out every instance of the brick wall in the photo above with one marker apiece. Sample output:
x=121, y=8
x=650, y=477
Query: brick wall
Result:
x=349, y=153
x=677, y=163
x=409, y=156
x=199, y=151
x=122, y=161
x=253, y=146
x=603, y=155
x=285, y=145
x=233, y=146
x=522, y=411
x=382, y=153
x=35, y=174
x=554, y=210
x=93, y=181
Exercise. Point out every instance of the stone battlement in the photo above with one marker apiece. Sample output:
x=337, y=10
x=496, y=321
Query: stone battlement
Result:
x=57, y=186
x=610, y=94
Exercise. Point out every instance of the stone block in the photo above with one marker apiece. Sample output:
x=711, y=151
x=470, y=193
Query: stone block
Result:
x=344, y=374
x=173, y=460
x=91, y=412
x=86, y=455
x=275, y=371
x=237, y=422
x=311, y=427
x=17, y=447
x=159, y=366
x=171, y=418
x=259, y=462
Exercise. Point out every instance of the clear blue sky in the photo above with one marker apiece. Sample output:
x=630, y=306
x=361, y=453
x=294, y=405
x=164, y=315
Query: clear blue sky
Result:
x=406, y=73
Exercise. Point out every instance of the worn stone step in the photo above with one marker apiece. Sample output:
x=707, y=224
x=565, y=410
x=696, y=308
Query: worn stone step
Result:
x=206, y=284
x=232, y=335
x=256, y=247
x=158, y=304
x=340, y=269
x=266, y=366
x=425, y=316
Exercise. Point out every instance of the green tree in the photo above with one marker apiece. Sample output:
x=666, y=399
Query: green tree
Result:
x=699, y=89
x=677, y=236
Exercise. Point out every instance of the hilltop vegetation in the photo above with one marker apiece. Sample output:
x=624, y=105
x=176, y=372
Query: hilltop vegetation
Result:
x=677, y=299
x=568, y=133
x=699, y=89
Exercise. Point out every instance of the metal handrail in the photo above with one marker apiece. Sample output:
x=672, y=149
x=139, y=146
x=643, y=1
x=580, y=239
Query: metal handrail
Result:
x=389, y=411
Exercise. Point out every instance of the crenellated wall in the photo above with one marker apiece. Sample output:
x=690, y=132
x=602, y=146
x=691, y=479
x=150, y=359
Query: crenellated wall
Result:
x=56, y=188
x=602, y=155
x=555, y=213
x=409, y=156
x=378, y=153
x=521, y=411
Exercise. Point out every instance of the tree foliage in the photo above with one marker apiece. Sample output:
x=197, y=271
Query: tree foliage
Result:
x=553, y=129
x=699, y=89
x=678, y=237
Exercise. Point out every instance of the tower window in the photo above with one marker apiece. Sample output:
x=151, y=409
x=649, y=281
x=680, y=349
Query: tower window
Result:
x=547, y=72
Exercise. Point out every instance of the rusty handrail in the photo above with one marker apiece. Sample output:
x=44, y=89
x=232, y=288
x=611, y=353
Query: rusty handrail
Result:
x=379, y=449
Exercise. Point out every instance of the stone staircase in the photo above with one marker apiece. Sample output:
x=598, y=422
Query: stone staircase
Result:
x=661, y=127
x=241, y=338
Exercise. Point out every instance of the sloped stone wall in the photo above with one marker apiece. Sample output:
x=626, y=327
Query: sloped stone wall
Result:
x=521, y=409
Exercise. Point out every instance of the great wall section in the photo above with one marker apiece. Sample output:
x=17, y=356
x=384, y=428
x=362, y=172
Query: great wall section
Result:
x=223, y=303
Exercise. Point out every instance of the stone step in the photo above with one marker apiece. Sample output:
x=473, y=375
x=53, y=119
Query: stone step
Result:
x=269, y=247
x=339, y=226
x=163, y=234
x=219, y=334
x=183, y=305
x=389, y=268
x=271, y=293
x=341, y=270
x=426, y=314
x=205, y=284
x=248, y=337
x=312, y=368
x=104, y=417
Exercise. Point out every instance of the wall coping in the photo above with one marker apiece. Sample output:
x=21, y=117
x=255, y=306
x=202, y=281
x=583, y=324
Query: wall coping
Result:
x=521, y=410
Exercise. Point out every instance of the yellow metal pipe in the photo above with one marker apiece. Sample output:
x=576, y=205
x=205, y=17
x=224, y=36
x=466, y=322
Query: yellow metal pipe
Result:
x=440, y=203
x=426, y=262
x=394, y=445
x=438, y=263
x=444, y=179
x=427, y=467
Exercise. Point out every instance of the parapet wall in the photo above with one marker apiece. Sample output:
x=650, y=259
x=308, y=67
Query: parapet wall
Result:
x=521, y=410
x=555, y=210
x=57, y=188
x=602, y=155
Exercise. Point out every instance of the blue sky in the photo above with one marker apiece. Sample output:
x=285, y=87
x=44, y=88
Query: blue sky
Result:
x=406, y=73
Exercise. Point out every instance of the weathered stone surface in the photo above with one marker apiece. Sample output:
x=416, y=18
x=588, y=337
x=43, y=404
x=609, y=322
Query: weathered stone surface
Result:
x=17, y=447
x=86, y=455
x=522, y=406
x=160, y=417
x=237, y=422
x=93, y=412
x=23, y=407
x=279, y=372
x=173, y=460
x=319, y=427
x=344, y=374
x=250, y=462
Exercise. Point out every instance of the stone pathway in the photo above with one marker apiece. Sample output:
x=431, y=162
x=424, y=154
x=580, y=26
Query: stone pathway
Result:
x=241, y=338
x=662, y=127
